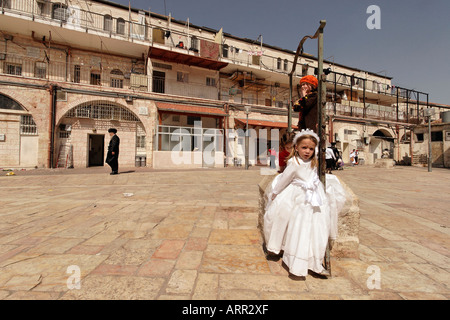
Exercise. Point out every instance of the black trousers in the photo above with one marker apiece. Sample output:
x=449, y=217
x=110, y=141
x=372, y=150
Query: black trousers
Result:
x=113, y=162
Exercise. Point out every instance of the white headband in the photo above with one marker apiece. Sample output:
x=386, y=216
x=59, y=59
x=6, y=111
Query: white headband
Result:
x=310, y=132
x=303, y=132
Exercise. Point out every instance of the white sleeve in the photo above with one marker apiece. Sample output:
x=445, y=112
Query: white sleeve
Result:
x=285, y=178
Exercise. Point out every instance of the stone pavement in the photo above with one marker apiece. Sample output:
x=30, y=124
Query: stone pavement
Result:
x=192, y=234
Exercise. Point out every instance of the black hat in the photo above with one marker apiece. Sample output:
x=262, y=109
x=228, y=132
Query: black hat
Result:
x=112, y=130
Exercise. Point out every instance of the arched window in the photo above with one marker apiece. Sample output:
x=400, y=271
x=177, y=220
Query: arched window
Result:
x=8, y=103
x=60, y=12
x=120, y=29
x=107, y=23
x=279, y=63
x=104, y=110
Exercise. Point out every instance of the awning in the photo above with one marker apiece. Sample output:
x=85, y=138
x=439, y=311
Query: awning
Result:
x=181, y=58
x=183, y=108
x=265, y=123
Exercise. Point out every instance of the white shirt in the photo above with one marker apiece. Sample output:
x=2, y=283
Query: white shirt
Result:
x=329, y=154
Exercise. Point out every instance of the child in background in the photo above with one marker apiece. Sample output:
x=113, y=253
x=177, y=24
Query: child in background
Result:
x=300, y=217
x=286, y=145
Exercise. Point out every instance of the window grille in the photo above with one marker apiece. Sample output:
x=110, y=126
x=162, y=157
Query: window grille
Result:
x=27, y=125
x=14, y=69
x=59, y=11
x=40, y=70
x=77, y=74
x=120, y=26
x=102, y=110
x=107, y=23
x=211, y=82
x=95, y=79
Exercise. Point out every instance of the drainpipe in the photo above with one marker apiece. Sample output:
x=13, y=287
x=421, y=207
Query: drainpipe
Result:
x=53, y=90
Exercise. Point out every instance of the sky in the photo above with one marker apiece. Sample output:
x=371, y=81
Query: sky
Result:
x=411, y=45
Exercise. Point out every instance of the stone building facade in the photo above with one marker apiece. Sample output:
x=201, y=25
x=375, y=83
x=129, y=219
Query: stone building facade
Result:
x=68, y=72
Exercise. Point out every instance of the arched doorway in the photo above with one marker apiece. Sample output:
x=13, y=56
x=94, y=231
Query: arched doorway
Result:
x=82, y=135
x=19, y=139
x=381, y=139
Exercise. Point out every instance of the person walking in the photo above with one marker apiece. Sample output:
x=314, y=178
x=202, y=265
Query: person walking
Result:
x=112, y=157
x=330, y=159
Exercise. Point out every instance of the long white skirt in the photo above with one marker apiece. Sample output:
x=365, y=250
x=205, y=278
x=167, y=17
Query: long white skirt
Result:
x=301, y=230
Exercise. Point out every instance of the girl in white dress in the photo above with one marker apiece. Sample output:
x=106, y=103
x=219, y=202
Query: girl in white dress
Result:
x=300, y=217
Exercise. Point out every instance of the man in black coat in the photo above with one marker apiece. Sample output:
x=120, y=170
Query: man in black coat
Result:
x=112, y=158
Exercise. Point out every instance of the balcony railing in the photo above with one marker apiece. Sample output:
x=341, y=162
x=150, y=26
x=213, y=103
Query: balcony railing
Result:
x=373, y=112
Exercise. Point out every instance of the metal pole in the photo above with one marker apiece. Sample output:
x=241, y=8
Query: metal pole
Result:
x=290, y=104
x=246, y=144
x=321, y=116
x=294, y=65
x=429, y=142
x=321, y=103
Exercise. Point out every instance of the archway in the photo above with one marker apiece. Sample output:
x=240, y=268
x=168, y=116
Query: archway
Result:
x=82, y=135
x=381, y=139
x=18, y=135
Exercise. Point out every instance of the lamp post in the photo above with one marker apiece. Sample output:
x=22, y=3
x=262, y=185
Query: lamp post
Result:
x=428, y=113
x=247, y=110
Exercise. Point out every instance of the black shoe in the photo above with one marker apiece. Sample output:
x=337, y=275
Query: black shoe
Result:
x=269, y=255
x=114, y=172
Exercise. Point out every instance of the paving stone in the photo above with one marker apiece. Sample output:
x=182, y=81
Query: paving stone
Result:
x=157, y=268
x=207, y=287
x=169, y=249
x=181, y=282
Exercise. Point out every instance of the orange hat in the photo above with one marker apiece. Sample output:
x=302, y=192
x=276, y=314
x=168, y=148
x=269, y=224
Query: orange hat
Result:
x=311, y=80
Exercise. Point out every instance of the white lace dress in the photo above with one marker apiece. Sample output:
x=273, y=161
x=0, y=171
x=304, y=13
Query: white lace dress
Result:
x=302, y=217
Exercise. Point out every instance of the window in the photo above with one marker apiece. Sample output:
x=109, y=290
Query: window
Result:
x=120, y=28
x=419, y=137
x=96, y=78
x=182, y=77
x=76, y=74
x=437, y=136
x=27, y=125
x=191, y=120
x=285, y=65
x=210, y=82
x=101, y=110
x=159, y=79
x=279, y=63
x=140, y=141
x=8, y=103
x=225, y=51
x=59, y=11
x=6, y=4
x=40, y=70
x=194, y=44
x=305, y=68
x=117, y=78
x=107, y=23
x=14, y=69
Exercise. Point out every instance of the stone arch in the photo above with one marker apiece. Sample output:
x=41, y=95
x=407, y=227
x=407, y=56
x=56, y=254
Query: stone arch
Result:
x=382, y=133
x=20, y=134
x=83, y=121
